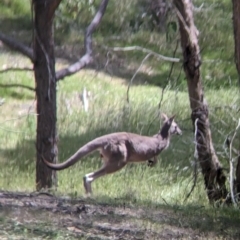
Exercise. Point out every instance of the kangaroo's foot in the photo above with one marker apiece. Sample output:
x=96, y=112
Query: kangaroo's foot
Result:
x=87, y=185
x=152, y=162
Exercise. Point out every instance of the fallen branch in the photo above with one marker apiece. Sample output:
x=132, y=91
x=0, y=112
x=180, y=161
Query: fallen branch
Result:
x=15, y=45
x=87, y=57
x=145, y=50
x=17, y=85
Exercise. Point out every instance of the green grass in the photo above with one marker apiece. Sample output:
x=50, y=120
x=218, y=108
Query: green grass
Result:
x=15, y=7
x=15, y=16
x=169, y=181
x=163, y=187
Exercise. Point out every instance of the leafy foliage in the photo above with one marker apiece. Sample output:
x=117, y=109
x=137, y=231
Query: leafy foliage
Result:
x=132, y=22
x=74, y=14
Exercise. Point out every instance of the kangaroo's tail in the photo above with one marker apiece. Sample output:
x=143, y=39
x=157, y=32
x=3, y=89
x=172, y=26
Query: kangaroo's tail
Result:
x=83, y=151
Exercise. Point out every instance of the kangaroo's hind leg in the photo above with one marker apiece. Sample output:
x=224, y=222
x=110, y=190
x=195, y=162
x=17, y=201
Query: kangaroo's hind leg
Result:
x=110, y=167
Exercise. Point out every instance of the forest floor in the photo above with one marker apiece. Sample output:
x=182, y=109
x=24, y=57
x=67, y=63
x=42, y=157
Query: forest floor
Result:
x=44, y=216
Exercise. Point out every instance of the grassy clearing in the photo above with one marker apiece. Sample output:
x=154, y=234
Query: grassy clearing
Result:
x=164, y=187
x=169, y=182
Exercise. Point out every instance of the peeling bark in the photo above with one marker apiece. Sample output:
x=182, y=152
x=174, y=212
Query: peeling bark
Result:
x=212, y=171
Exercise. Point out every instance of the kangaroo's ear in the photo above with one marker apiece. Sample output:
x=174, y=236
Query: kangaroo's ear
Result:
x=164, y=117
x=171, y=119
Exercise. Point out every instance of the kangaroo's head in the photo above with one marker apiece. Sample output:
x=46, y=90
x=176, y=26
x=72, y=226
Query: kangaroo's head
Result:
x=169, y=126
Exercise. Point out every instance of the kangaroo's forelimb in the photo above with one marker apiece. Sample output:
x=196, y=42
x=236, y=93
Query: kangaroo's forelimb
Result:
x=152, y=162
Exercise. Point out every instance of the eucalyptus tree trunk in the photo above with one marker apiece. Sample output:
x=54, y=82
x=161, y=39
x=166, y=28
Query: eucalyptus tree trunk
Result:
x=212, y=171
x=42, y=56
x=45, y=79
x=236, y=28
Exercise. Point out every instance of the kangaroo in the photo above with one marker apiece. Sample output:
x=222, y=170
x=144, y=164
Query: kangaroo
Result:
x=118, y=149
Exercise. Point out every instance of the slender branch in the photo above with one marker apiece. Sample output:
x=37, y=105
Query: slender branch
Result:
x=169, y=76
x=15, y=69
x=16, y=85
x=150, y=53
x=145, y=50
x=87, y=57
x=195, y=162
x=134, y=75
x=17, y=46
x=232, y=167
x=163, y=89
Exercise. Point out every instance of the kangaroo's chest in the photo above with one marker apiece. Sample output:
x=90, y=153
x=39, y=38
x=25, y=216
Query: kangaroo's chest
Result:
x=149, y=149
x=144, y=152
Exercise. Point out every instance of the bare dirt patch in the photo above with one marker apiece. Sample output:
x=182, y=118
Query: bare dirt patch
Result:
x=43, y=216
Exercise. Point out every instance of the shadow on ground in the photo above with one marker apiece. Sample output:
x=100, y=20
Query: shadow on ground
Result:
x=41, y=214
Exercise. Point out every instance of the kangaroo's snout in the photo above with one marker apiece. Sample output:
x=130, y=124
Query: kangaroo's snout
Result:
x=179, y=131
x=175, y=129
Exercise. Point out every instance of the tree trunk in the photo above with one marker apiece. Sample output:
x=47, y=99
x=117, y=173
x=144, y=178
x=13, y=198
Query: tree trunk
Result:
x=236, y=28
x=214, y=177
x=45, y=78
